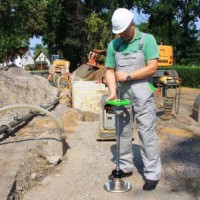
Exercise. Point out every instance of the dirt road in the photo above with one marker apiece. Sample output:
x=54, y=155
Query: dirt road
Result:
x=26, y=174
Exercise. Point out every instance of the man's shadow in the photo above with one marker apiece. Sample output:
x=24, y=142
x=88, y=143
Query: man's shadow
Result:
x=137, y=158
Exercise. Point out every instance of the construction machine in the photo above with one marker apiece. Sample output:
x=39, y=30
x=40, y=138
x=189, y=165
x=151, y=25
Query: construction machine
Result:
x=59, y=72
x=93, y=70
x=165, y=61
x=167, y=82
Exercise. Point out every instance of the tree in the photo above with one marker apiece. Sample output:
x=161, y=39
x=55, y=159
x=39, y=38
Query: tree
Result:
x=173, y=23
x=98, y=33
x=65, y=31
x=73, y=27
x=19, y=20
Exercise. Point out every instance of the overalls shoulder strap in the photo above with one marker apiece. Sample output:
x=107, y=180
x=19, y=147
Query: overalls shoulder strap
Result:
x=141, y=42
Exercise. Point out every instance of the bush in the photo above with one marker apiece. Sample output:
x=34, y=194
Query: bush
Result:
x=190, y=75
x=30, y=67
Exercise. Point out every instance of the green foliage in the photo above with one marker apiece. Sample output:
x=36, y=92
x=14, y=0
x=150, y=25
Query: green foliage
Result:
x=191, y=57
x=144, y=27
x=19, y=20
x=65, y=33
x=72, y=28
x=98, y=32
x=173, y=23
x=189, y=75
x=38, y=48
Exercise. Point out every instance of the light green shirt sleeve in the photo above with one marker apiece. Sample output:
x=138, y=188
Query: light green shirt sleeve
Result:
x=110, y=56
x=150, y=48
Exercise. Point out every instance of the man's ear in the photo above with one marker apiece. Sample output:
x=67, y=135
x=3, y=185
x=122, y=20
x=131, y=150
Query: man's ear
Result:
x=133, y=23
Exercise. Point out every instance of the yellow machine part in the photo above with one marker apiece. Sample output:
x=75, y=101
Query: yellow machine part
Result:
x=61, y=63
x=60, y=67
x=167, y=79
x=166, y=58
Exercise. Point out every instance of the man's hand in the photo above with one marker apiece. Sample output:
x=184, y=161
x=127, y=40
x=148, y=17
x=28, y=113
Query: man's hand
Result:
x=112, y=97
x=121, y=76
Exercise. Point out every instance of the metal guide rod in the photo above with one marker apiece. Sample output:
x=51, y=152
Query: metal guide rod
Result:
x=117, y=184
x=117, y=129
x=118, y=141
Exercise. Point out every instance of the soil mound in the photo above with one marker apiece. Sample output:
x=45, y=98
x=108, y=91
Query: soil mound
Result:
x=18, y=86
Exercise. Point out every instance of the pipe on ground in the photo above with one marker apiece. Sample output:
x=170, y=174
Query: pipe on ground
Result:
x=37, y=110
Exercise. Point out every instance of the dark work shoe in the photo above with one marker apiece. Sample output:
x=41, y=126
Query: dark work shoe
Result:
x=150, y=185
x=127, y=174
x=111, y=177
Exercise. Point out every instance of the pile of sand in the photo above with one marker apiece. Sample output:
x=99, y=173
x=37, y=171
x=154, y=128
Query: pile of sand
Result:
x=18, y=86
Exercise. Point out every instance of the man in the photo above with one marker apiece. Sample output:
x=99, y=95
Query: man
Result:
x=131, y=61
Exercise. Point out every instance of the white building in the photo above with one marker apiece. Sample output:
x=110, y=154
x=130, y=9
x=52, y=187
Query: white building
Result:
x=17, y=61
x=27, y=59
x=41, y=61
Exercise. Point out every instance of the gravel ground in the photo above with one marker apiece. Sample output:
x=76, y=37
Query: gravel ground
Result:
x=87, y=166
x=82, y=175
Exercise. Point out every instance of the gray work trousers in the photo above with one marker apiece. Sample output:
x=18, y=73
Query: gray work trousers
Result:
x=144, y=111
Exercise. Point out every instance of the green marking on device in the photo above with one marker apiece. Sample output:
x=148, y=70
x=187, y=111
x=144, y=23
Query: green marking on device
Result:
x=152, y=88
x=119, y=102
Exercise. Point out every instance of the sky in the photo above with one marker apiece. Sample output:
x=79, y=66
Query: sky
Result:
x=33, y=41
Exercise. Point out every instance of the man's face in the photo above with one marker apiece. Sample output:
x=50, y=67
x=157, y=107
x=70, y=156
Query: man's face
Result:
x=129, y=33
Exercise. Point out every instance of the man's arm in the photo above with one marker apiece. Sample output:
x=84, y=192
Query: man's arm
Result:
x=142, y=73
x=111, y=81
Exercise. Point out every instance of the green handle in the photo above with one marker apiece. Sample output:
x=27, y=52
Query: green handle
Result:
x=119, y=102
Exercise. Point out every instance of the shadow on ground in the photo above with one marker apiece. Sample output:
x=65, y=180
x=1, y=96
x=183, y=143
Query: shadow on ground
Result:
x=183, y=160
